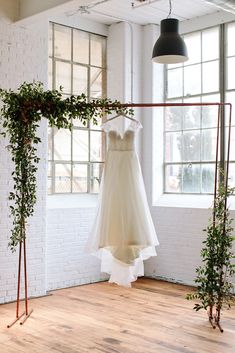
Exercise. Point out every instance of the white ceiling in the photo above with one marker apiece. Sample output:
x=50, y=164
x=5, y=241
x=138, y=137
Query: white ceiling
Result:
x=150, y=11
x=107, y=11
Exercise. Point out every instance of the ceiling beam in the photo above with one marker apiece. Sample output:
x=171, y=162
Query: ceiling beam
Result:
x=9, y=9
x=33, y=7
x=30, y=10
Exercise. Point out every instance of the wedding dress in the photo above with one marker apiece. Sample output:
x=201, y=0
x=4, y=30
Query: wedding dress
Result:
x=123, y=234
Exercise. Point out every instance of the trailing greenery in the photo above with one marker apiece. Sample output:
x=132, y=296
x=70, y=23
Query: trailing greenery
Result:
x=21, y=114
x=214, y=286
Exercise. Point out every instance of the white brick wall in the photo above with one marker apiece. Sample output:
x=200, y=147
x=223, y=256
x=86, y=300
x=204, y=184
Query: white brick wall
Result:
x=180, y=235
x=56, y=255
x=23, y=58
x=67, y=262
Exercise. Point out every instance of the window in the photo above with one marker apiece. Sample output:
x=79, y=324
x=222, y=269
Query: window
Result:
x=190, y=132
x=77, y=62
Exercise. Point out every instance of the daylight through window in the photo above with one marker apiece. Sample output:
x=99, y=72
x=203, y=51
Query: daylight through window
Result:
x=190, y=132
x=77, y=62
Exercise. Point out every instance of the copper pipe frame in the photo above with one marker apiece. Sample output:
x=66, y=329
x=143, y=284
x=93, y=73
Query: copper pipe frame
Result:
x=155, y=105
x=214, y=319
x=27, y=313
x=225, y=181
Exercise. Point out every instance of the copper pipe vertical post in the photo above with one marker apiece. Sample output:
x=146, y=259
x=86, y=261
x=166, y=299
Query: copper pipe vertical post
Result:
x=210, y=313
x=27, y=312
x=18, y=290
x=18, y=285
x=225, y=181
x=216, y=161
x=25, y=279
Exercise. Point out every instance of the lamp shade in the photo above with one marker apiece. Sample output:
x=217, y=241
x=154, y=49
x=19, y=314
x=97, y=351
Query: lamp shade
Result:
x=170, y=47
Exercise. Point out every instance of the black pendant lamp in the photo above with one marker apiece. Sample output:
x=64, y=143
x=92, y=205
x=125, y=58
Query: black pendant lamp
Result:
x=170, y=47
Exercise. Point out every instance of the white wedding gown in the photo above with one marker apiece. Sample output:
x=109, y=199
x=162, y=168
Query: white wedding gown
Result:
x=123, y=233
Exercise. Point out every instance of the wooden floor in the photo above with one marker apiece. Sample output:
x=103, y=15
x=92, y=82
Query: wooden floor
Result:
x=151, y=317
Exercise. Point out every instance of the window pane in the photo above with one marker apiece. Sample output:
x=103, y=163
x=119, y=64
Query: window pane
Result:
x=193, y=43
x=232, y=144
x=97, y=50
x=191, y=178
x=230, y=98
x=96, y=174
x=210, y=44
x=208, y=176
x=173, y=147
x=210, y=113
x=192, y=80
x=230, y=39
x=50, y=42
x=49, y=178
x=196, y=125
x=98, y=125
x=174, y=83
x=191, y=146
x=62, y=48
x=173, y=66
x=81, y=47
x=96, y=83
x=192, y=114
x=63, y=76
x=80, y=178
x=80, y=145
x=173, y=118
x=78, y=123
x=230, y=73
x=231, y=173
x=210, y=76
x=97, y=140
x=50, y=74
x=77, y=67
x=62, y=145
x=62, y=178
x=173, y=178
x=80, y=79
x=209, y=144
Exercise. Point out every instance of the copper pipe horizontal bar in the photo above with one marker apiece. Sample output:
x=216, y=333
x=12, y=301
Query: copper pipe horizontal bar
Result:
x=146, y=105
x=15, y=320
x=26, y=317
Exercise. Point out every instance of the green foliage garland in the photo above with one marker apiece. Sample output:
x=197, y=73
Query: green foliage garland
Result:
x=21, y=114
x=214, y=286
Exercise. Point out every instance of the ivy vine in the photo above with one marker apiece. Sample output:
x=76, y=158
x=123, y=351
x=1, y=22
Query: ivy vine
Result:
x=214, y=277
x=21, y=114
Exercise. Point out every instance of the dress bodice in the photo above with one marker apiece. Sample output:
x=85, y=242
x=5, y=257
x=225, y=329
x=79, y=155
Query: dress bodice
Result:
x=121, y=143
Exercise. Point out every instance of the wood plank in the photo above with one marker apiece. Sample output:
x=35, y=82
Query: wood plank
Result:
x=151, y=317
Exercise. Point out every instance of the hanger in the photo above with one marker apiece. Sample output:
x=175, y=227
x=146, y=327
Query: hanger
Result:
x=124, y=115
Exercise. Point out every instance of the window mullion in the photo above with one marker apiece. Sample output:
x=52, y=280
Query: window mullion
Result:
x=72, y=88
x=194, y=143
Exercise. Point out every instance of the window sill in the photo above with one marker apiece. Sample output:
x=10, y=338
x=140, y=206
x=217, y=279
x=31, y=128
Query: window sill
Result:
x=184, y=201
x=72, y=201
x=189, y=201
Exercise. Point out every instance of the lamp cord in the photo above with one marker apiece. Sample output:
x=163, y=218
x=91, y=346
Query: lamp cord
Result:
x=170, y=9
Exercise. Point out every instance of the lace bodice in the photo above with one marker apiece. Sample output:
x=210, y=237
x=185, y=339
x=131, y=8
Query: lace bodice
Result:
x=121, y=133
x=118, y=143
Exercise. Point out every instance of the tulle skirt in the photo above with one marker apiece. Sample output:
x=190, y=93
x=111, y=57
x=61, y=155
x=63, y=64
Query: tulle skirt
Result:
x=123, y=234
